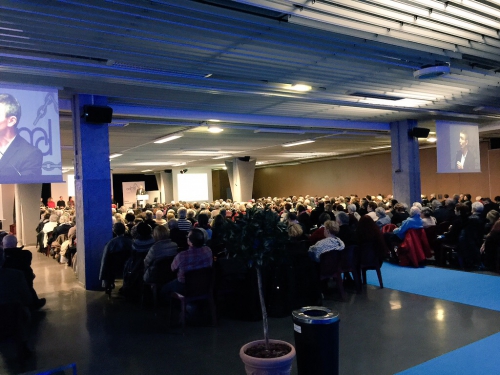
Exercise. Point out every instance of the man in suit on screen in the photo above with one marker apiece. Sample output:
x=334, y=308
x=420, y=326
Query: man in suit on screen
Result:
x=465, y=159
x=18, y=158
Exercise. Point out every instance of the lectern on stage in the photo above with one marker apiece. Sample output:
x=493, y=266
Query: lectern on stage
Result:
x=141, y=200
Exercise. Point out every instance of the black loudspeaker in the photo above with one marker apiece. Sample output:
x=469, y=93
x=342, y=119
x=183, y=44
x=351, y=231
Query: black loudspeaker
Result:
x=419, y=132
x=97, y=114
x=494, y=143
x=167, y=171
x=244, y=158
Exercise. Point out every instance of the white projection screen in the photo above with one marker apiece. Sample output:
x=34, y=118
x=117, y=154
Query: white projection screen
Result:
x=457, y=147
x=30, y=145
x=192, y=187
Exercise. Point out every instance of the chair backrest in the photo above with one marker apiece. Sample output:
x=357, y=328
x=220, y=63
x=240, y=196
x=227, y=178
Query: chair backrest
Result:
x=368, y=254
x=388, y=228
x=349, y=258
x=199, y=282
x=329, y=263
x=442, y=227
x=161, y=271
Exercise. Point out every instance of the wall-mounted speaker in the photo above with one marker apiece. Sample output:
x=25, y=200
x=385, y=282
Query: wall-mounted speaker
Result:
x=494, y=143
x=419, y=132
x=97, y=114
x=244, y=158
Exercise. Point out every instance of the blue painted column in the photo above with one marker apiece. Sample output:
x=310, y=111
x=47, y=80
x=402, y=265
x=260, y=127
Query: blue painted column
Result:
x=92, y=191
x=405, y=163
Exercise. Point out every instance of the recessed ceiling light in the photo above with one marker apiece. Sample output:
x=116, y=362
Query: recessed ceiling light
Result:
x=112, y=156
x=154, y=163
x=215, y=129
x=296, y=143
x=300, y=88
x=147, y=170
x=432, y=139
x=223, y=157
x=169, y=138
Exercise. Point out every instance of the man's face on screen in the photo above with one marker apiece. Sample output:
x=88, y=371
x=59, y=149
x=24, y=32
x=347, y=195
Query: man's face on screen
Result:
x=463, y=141
x=5, y=121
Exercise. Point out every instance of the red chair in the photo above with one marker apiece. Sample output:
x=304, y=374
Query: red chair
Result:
x=199, y=285
x=388, y=228
x=414, y=249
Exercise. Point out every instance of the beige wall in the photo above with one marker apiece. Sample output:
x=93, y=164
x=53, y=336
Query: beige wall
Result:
x=372, y=175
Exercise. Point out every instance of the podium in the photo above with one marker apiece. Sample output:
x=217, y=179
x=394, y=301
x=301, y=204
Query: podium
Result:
x=141, y=200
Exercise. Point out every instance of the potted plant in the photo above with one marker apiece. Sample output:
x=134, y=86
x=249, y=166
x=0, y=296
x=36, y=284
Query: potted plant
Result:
x=256, y=236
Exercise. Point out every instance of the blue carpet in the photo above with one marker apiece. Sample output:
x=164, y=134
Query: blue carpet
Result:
x=479, y=358
x=456, y=286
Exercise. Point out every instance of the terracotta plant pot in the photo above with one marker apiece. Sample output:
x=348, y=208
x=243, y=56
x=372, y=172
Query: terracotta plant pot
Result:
x=267, y=366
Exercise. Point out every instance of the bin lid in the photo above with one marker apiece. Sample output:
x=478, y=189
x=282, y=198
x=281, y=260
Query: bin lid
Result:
x=315, y=315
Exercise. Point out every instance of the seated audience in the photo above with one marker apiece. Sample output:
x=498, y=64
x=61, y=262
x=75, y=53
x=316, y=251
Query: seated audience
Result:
x=490, y=249
x=162, y=248
x=368, y=232
x=159, y=218
x=182, y=223
x=119, y=244
x=491, y=217
x=330, y=243
x=19, y=259
x=471, y=238
x=427, y=219
x=15, y=290
x=195, y=257
x=413, y=222
x=319, y=233
x=346, y=234
x=399, y=214
x=296, y=233
x=383, y=219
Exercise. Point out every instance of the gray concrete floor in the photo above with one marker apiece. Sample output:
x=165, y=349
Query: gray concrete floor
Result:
x=382, y=331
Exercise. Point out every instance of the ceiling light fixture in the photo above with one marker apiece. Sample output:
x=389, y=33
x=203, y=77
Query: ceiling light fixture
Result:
x=147, y=170
x=300, y=88
x=223, y=157
x=278, y=130
x=112, y=156
x=431, y=139
x=432, y=71
x=297, y=143
x=168, y=138
x=215, y=129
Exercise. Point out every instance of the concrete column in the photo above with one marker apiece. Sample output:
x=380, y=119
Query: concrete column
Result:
x=405, y=163
x=27, y=212
x=241, y=174
x=167, y=186
x=92, y=186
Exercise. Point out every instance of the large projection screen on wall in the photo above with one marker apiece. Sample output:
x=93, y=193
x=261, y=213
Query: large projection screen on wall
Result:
x=30, y=145
x=457, y=147
x=192, y=187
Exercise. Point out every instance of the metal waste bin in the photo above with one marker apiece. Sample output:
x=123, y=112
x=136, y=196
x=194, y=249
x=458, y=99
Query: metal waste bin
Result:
x=316, y=331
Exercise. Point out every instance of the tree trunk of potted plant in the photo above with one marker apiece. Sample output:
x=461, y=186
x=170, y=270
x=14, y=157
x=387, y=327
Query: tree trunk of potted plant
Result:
x=266, y=356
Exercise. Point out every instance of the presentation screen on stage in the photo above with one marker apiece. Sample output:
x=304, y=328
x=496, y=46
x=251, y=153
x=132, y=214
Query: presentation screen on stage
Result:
x=457, y=147
x=30, y=145
x=192, y=187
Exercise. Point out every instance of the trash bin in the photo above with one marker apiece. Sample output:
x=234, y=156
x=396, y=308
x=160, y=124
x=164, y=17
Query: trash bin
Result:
x=316, y=331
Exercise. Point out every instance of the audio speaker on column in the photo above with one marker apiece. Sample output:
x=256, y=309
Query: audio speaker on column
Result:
x=98, y=114
x=494, y=143
x=419, y=132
